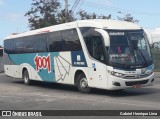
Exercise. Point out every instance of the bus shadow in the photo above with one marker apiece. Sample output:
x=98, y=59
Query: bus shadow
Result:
x=70, y=88
x=48, y=85
x=126, y=92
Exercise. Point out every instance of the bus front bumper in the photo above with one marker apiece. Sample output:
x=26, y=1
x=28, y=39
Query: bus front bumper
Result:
x=116, y=83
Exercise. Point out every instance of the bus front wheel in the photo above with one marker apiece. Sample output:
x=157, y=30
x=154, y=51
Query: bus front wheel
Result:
x=26, y=79
x=83, y=84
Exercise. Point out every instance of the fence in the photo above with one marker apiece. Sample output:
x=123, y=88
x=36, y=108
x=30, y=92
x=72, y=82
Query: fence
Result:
x=156, y=59
x=156, y=55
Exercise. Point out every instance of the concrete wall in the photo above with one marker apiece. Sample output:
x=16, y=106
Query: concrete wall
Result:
x=1, y=64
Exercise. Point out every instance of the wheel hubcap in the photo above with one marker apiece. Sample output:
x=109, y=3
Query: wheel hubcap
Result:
x=84, y=83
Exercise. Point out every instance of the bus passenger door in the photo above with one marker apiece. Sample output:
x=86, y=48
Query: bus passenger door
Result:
x=95, y=45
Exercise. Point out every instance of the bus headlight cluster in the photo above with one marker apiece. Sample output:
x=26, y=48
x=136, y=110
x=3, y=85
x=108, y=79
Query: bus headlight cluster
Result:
x=115, y=74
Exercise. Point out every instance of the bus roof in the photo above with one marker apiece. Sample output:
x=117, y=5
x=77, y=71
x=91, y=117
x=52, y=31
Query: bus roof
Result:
x=97, y=23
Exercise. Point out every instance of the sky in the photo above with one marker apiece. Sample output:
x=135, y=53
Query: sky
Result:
x=12, y=19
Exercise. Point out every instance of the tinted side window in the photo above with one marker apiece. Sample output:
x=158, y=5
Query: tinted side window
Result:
x=54, y=42
x=95, y=47
x=24, y=45
x=19, y=45
x=9, y=46
x=29, y=44
x=94, y=43
x=40, y=43
x=71, y=40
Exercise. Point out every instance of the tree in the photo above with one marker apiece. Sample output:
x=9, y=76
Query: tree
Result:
x=128, y=17
x=84, y=15
x=62, y=17
x=43, y=13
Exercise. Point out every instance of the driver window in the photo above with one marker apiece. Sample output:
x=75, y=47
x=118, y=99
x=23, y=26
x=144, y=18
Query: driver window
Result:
x=94, y=43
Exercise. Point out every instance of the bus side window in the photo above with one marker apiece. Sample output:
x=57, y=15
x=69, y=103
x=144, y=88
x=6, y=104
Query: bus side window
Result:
x=71, y=40
x=9, y=46
x=95, y=47
x=98, y=49
x=29, y=44
x=19, y=45
x=40, y=43
x=94, y=43
x=66, y=40
x=54, y=41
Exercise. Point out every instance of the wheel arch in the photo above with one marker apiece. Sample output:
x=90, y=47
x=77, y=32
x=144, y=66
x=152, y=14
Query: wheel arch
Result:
x=77, y=73
x=26, y=68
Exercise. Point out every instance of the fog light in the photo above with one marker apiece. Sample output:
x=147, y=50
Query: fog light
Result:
x=116, y=84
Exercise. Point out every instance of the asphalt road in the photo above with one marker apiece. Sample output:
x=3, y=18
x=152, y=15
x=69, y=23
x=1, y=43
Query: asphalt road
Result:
x=14, y=95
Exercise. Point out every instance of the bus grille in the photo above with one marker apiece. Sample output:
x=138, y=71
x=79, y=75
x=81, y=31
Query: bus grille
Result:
x=136, y=76
x=131, y=83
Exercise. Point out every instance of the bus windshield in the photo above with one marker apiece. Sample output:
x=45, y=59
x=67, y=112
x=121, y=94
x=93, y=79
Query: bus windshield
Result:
x=129, y=49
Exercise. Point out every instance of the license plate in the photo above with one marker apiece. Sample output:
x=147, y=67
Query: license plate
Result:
x=137, y=86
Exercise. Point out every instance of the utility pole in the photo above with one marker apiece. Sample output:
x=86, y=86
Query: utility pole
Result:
x=66, y=10
x=75, y=5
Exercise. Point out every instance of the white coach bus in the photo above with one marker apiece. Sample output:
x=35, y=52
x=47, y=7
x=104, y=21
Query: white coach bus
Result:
x=105, y=54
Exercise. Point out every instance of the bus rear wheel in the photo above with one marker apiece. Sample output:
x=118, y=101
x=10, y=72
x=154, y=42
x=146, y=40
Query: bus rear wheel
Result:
x=82, y=84
x=26, y=79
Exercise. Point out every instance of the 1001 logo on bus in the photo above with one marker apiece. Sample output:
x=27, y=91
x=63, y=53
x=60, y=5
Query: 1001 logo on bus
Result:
x=42, y=62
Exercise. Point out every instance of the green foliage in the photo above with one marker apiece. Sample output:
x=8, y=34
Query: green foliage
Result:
x=45, y=13
x=62, y=17
x=129, y=18
x=84, y=15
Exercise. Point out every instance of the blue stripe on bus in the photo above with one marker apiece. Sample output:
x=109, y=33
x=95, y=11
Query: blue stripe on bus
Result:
x=39, y=60
x=45, y=75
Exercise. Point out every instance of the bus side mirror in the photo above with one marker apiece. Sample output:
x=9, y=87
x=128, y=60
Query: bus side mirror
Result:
x=105, y=36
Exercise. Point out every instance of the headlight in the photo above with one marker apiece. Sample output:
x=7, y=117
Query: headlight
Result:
x=118, y=74
x=115, y=74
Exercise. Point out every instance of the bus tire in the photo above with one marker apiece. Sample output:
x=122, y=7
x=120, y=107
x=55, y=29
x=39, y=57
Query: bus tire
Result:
x=82, y=84
x=26, y=79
